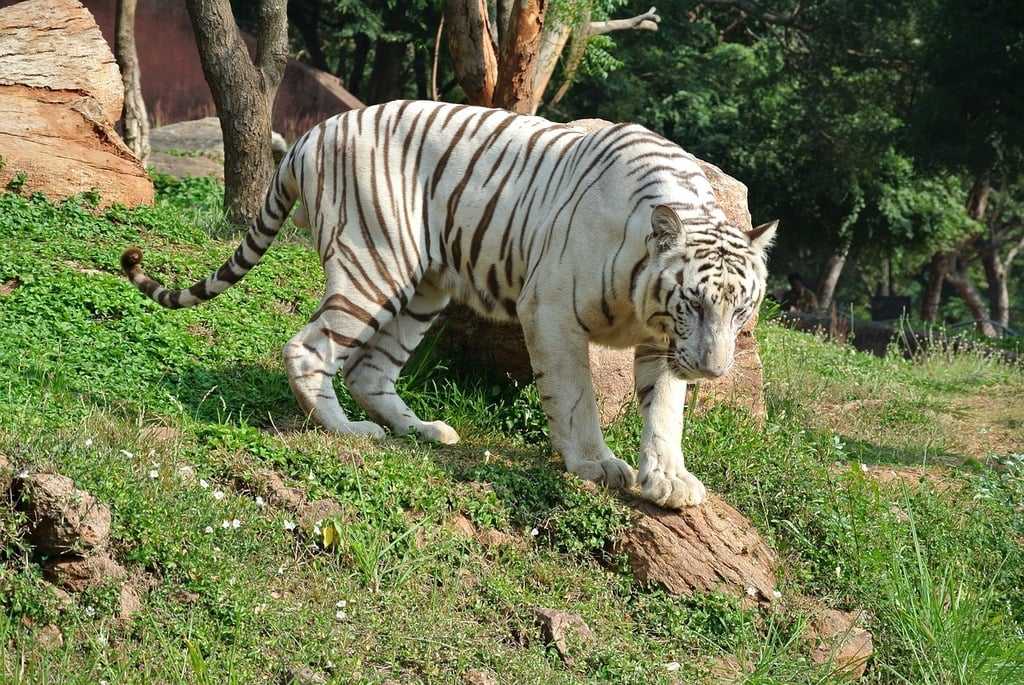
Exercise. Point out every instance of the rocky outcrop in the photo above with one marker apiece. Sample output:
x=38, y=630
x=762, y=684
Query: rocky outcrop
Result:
x=60, y=94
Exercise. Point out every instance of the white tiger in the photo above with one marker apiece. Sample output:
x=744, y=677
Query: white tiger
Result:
x=611, y=236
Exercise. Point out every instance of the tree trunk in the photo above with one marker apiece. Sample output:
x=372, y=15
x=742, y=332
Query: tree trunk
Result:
x=998, y=290
x=471, y=45
x=386, y=77
x=552, y=44
x=960, y=280
x=514, y=90
x=243, y=92
x=136, y=121
x=830, y=277
x=359, y=58
x=937, y=270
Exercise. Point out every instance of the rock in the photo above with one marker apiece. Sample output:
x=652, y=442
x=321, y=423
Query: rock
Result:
x=271, y=486
x=708, y=548
x=50, y=638
x=56, y=45
x=128, y=602
x=61, y=598
x=462, y=527
x=60, y=94
x=489, y=537
x=479, y=677
x=837, y=637
x=62, y=518
x=500, y=346
x=79, y=574
x=301, y=674
x=558, y=628
x=196, y=148
x=314, y=513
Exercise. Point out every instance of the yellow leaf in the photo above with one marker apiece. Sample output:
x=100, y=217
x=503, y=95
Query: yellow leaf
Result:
x=330, y=535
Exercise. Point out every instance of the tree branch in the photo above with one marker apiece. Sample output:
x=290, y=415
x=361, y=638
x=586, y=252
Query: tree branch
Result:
x=1012, y=254
x=437, y=53
x=648, y=21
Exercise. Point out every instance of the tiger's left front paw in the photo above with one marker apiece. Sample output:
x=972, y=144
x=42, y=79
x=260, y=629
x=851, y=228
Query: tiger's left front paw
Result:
x=674, y=491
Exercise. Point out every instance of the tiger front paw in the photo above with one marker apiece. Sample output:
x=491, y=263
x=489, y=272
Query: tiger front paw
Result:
x=609, y=471
x=672, y=491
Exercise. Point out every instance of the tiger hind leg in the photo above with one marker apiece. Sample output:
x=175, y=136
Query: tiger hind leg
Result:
x=371, y=374
x=313, y=357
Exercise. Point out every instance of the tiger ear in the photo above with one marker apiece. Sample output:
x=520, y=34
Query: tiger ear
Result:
x=762, y=237
x=667, y=228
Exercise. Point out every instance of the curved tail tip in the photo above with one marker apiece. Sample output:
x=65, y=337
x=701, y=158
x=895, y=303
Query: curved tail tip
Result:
x=130, y=259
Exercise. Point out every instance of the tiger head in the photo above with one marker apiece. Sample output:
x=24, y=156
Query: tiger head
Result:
x=707, y=282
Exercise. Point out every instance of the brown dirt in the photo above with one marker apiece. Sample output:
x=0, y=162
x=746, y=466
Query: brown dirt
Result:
x=986, y=424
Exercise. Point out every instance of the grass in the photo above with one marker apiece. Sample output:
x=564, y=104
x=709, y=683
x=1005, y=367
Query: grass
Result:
x=105, y=387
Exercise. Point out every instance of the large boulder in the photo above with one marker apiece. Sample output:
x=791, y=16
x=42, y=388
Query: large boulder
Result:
x=501, y=347
x=60, y=95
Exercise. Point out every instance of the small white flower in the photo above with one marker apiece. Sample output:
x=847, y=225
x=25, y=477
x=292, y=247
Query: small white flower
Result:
x=88, y=442
x=534, y=532
x=203, y=483
x=289, y=525
x=90, y=611
x=776, y=594
x=340, y=604
x=259, y=501
x=218, y=494
x=225, y=523
x=235, y=523
x=208, y=529
x=864, y=468
x=487, y=454
x=340, y=615
x=317, y=530
x=751, y=591
x=673, y=666
x=127, y=454
x=153, y=473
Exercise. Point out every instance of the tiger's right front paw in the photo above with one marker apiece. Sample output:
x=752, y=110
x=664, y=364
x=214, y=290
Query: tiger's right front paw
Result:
x=610, y=471
x=672, y=491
